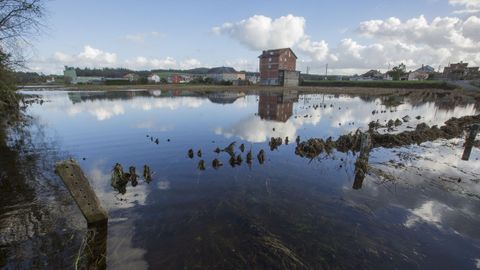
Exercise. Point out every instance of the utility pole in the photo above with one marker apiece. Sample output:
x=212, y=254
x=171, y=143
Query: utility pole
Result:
x=326, y=71
x=308, y=69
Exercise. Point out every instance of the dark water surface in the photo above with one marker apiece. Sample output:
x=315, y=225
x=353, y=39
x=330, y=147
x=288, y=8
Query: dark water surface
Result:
x=288, y=213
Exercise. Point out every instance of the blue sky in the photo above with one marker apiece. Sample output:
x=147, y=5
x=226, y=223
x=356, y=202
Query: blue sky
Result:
x=180, y=34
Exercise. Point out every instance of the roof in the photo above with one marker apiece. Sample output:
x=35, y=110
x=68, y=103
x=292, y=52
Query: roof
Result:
x=426, y=68
x=276, y=52
x=221, y=70
x=372, y=73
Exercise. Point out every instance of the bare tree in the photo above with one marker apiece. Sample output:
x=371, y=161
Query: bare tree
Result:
x=20, y=20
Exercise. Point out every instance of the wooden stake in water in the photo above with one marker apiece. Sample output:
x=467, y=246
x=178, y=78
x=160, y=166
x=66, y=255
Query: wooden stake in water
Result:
x=79, y=187
x=361, y=165
x=469, y=141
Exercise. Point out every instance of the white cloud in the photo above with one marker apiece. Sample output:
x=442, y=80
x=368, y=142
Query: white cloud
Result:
x=96, y=58
x=467, y=6
x=89, y=57
x=317, y=50
x=96, y=55
x=260, y=32
x=242, y=64
x=166, y=63
x=414, y=42
x=135, y=37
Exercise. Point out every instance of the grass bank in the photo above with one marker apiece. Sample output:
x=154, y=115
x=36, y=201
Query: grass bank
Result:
x=383, y=84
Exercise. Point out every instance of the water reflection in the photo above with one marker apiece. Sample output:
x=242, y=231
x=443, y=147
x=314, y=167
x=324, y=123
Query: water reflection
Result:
x=288, y=213
x=276, y=106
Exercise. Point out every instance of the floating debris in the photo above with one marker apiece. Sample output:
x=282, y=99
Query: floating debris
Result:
x=190, y=153
x=147, y=175
x=230, y=149
x=133, y=176
x=118, y=179
x=232, y=161
x=406, y=118
x=249, y=157
x=298, y=139
x=418, y=117
x=168, y=140
x=201, y=165
x=217, y=150
x=275, y=143
x=157, y=141
x=398, y=122
x=199, y=153
x=242, y=147
x=261, y=156
x=390, y=123
x=239, y=160
x=216, y=163
x=311, y=148
x=286, y=140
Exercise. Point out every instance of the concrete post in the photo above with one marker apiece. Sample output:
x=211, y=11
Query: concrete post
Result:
x=79, y=187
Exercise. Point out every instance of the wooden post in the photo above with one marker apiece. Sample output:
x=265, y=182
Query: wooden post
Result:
x=79, y=187
x=361, y=165
x=469, y=141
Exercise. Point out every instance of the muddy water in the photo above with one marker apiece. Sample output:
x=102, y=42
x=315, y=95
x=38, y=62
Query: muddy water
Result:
x=418, y=206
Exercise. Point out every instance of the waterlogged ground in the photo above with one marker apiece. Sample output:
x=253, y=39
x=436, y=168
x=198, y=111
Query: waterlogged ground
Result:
x=418, y=207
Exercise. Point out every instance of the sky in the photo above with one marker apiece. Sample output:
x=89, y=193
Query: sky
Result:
x=350, y=36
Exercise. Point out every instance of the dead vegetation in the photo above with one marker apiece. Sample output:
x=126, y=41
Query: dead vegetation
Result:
x=453, y=128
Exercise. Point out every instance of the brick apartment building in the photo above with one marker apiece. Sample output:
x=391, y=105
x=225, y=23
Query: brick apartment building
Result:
x=276, y=106
x=278, y=67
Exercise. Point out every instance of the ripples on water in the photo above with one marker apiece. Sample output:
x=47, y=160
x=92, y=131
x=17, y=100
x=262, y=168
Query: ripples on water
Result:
x=288, y=213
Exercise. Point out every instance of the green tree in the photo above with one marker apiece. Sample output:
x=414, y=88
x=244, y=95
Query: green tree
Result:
x=397, y=72
x=20, y=20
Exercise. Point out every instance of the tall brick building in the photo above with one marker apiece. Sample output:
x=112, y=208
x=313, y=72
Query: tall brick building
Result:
x=276, y=106
x=278, y=67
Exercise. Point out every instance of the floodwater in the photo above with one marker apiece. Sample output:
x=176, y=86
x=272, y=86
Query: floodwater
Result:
x=418, y=207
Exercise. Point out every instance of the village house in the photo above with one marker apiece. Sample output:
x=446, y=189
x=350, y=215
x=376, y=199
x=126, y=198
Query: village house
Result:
x=371, y=75
x=131, y=77
x=227, y=74
x=461, y=71
x=278, y=67
x=153, y=78
x=421, y=74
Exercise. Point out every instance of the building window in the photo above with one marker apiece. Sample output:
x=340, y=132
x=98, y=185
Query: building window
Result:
x=269, y=59
x=269, y=66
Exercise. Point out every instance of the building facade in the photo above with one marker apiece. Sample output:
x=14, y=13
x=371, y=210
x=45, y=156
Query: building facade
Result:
x=153, y=78
x=275, y=65
x=276, y=106
x=227, y=74
x=460, y=71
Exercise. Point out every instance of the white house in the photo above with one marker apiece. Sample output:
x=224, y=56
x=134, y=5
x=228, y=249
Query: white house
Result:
x=153, y=78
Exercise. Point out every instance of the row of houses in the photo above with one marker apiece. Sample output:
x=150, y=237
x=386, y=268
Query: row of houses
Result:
x=458, y=71
x=215, y=75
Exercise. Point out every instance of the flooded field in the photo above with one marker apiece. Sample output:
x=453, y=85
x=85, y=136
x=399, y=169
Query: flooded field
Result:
x=224, y=195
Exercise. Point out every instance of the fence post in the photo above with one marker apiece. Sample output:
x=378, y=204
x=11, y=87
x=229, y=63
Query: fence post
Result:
x=469, y=141
x=361, y=165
